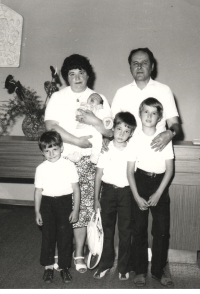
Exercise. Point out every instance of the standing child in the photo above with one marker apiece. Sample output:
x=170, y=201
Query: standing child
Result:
x=149, y=174
x=55, y=181
x=116, y=197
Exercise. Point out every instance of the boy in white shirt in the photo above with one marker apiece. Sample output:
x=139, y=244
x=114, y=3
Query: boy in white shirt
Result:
x=55, y=180
x=149, y=174
x=116, y=197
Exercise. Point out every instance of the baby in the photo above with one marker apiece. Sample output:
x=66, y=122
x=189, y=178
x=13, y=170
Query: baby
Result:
x=94, y=104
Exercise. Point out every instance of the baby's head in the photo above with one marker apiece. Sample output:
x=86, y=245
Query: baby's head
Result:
x=126, y=121
x=151, y=107
x=95, y=99
x=51, y=145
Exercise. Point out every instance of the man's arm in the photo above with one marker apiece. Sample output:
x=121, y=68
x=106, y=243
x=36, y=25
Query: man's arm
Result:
x=162, y=139
x=82, y=142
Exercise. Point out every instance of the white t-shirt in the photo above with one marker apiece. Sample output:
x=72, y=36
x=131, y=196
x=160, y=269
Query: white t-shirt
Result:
x=114, y=164
x=129, y=98
x=56, y=178
x=140, y=151
x=62, y=108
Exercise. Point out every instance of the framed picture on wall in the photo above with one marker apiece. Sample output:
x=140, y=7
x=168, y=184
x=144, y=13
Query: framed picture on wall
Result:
x=11, y=24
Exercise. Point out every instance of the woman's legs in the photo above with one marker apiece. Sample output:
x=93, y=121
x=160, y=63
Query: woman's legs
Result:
x=86, y=171
x=79, y=237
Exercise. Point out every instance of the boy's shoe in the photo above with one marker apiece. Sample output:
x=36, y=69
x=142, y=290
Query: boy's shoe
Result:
x=48, y=276
x=66, y=276
x=124, y=277
x=100, y=274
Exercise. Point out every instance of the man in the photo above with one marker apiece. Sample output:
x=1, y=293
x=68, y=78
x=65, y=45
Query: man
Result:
x=128, y=98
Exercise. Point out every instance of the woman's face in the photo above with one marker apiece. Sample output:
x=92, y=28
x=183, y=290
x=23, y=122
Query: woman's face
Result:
x=77, y=79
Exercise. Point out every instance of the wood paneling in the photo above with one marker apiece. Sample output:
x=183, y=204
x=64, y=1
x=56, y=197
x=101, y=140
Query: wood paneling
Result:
x=19, y=157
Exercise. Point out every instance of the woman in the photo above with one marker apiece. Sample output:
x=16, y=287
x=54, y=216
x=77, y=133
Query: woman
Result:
x=60, y=115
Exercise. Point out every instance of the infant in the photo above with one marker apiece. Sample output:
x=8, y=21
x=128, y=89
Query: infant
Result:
x=94, y=104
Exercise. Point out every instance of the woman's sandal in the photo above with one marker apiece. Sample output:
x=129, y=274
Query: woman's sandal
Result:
x=140, y=280
x=80, y=267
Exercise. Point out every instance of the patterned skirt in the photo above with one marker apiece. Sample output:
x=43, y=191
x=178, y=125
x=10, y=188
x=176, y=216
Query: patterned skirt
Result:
x=86, y=171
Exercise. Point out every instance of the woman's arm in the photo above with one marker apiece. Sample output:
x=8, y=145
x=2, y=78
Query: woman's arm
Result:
x=82, y=142
x=89, y=118
x=97, y=187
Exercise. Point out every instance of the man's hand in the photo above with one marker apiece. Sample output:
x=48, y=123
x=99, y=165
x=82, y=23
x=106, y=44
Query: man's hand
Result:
x=83, y=142
x=161, y=140
x=87, y=117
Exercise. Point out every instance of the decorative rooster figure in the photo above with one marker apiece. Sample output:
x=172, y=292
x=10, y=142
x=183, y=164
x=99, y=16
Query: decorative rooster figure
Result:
x=51, y=87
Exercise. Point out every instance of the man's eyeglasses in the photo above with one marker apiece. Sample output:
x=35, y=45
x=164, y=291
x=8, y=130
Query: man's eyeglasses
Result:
x=140, y=64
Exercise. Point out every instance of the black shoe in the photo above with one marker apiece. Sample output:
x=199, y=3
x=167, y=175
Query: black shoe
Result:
x=65, y=274
x=48, y=276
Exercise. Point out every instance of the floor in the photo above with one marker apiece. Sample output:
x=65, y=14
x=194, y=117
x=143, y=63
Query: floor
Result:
x=20, y=241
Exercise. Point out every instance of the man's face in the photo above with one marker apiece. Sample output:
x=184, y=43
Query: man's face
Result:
x=141, y=67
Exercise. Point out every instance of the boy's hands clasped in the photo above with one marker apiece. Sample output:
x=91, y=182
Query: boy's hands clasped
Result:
x=153, y=201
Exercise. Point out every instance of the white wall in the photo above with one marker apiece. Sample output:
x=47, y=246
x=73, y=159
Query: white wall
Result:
x=106, y=31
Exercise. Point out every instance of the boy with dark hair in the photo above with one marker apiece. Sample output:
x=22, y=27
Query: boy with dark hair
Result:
x=55, y=180
x=149, y=174
x=116, y=197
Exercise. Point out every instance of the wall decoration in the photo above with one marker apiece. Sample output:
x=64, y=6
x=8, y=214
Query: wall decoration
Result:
x=10, y=37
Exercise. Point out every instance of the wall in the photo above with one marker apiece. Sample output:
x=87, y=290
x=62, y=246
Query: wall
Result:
x=106, y=31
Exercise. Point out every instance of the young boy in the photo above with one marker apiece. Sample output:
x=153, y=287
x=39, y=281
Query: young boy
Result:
x=149, y=174
x=95, y=104
x=55, y=181
x=116, y=197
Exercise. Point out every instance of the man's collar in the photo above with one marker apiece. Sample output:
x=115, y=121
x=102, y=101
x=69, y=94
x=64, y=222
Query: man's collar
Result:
x=149, y=83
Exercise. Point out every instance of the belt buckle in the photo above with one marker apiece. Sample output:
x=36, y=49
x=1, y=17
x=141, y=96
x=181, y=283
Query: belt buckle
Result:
x=153, y=175
x=115, y=187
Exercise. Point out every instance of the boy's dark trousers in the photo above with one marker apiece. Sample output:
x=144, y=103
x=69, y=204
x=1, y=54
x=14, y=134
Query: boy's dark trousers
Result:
x=56, y=228
x=146, y=186
x=115, y=202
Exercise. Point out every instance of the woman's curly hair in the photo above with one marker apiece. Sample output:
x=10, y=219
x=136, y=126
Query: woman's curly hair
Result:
x=76, y=61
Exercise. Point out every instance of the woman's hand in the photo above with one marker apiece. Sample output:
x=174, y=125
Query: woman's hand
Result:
x=97, y=205
x=87, y=117
x=83, y=142
x=105, y=143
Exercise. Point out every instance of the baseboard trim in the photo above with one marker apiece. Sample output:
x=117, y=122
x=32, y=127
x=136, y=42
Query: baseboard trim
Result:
x=17, y=202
